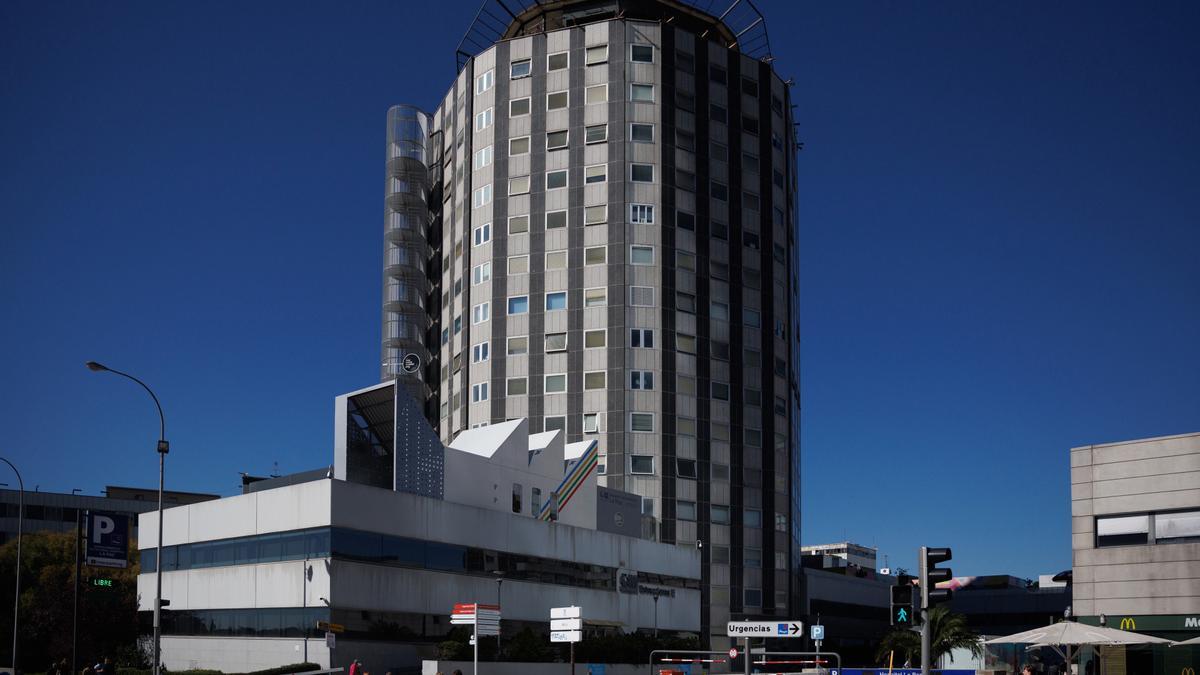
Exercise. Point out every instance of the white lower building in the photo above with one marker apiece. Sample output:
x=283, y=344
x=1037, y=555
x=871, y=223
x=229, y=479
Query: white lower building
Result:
x=389, y=566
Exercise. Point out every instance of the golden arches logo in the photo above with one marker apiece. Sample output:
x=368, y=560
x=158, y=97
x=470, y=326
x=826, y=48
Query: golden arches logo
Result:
x=1129, y=624
x=1187, y=670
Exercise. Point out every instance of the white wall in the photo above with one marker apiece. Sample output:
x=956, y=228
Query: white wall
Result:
x=278, y=584
x=239, y=654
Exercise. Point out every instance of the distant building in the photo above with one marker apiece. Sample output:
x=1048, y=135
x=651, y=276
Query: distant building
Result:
x=853, y=554
x=57, y=511
x=851, y=601
x=1000, y=604
x=497, y=516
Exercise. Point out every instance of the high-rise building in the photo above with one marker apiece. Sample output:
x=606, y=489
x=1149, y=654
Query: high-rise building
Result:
x=595, y=230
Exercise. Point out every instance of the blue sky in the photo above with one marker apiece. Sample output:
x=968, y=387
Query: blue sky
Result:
x=998, y=222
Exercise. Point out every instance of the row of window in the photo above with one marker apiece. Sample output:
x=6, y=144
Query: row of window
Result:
x=560, y=100
x=1168, y=527
x=639, y=214
x=593, y=56
x=558, y=179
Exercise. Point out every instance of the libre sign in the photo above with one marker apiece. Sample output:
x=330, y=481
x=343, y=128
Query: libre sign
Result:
x=107, y=539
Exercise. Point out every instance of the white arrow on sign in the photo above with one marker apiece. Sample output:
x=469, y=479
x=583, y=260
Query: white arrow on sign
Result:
x=565, y=613
x=566, y=636
x=566, y=624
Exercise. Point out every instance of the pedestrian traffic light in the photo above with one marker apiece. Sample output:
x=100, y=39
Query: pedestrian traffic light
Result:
x=902, y=596
x=931, y=576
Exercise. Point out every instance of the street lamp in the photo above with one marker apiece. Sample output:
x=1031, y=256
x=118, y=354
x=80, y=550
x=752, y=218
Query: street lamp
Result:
x=499, y=582
x=20, y=523
x=163, y=449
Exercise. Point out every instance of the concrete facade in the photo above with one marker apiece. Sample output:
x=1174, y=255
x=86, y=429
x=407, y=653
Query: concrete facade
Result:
x=1135, y=530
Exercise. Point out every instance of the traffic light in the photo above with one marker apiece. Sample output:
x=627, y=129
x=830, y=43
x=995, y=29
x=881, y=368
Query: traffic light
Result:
x=931, y=576
x=902, y=604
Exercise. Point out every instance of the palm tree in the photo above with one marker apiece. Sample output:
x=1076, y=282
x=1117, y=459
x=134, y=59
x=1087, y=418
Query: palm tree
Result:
x=948, y=632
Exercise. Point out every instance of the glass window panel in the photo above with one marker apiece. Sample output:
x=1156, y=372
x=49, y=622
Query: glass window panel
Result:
x=1177, y=525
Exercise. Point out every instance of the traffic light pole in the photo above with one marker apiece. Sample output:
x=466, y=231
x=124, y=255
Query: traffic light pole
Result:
x=925, y=640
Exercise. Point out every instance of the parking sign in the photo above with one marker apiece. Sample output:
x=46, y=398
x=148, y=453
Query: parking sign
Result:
x=107, y=539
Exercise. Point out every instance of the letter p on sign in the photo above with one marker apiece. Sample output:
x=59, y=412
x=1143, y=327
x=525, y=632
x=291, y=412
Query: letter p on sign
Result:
x=102, y=525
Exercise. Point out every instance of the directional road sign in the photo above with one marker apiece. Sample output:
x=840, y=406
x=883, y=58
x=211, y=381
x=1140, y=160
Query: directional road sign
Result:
x=566, y=624
x=774, y=629
x=566, y=636
x=565, y=613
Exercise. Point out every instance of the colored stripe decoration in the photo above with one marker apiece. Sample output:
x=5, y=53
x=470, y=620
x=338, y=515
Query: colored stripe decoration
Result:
x=574, y=479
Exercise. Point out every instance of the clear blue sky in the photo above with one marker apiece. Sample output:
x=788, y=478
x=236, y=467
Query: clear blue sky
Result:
x=998, y=219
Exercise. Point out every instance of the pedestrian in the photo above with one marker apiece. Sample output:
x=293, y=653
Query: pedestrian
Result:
x=1027, y=669
x=354, y=667
x=457, y=671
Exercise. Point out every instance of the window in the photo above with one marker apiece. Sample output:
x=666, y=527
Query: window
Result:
x=485, y=82
x=595, y=297
x=685, y=343
x=595, y=174
x=752, y=518
x=518, y=264
x=556, y=260
x=641, y=255
x=597, y=379
x=556, y=219
x=781, y=525
x=752, y=557
x=685, y=261
x=556, y=301
x=718, y=113
x=521, y=68
x=1176, y=527
x=479, y=392
x=749, y=87
x=483, y=120
x=596, y=55
x=595, y=255
x=648, y=503
x=719, y=310
x=518, y=224
x=641, y=296
x=596, y=94
x=518, y=386
x=750, y=124
x=685, y=101
x=518, y=305
x=751, y=201
x=483, y=157
x=557, y=61
x=535, y=501
x=641, y=53
x=556, y=179
x=591, y=425
x=555, y=342
x=483, y=234
x=685, y=468
x=719, y=515
x=720, y=472
x=685, y=140
x=750, y=240
x=597, y=133
x=750, y=318
x=641, y=173
x=641, y=133
x=641, y=379
x=518, y=185
x=481, y=312
x=593, y=339
x=685, y=220
x=685, y=302
x=594, y=215
x=684, y=61
x=519, y=107
x=1122, y=530
x=518, y=146
x=685, y=180
x=720, y=554
x=719, y=191
x=556, y=384
x=556, y=140
x=685, y=510
x=641, y=338
x=481, y=273
x=750, y=162
x=557, y=100
x=482, y=196
x=720, y=230
x=641, y=93
x=641, y=464
x=480, y=352
x=517, y=491
x=719, y=391
x=752, y=437
x=641, y=214
x=518, y=345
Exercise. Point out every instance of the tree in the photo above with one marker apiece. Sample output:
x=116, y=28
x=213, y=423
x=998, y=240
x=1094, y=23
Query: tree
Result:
x=108, y=621
x=947, y=632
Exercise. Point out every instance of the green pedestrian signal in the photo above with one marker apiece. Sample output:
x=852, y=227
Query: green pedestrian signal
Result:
x=902, y=601
x=902, y=616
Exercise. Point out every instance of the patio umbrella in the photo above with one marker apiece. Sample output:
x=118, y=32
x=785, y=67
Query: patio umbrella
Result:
x=1066, y=637
x=1193, y=641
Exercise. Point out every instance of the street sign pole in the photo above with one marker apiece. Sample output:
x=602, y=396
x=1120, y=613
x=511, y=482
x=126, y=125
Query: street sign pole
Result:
x=475, y=627
x=78, y=568
x=925, y=637
x=572, y=658
x=747, y=655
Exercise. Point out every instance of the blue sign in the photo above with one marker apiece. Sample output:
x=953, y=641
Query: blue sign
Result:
x=595, y=669
x=816, y=632
x=107, y=539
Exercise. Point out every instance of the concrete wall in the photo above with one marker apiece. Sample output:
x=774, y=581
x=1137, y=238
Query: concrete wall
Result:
x=1142, y=476
x=234, y=655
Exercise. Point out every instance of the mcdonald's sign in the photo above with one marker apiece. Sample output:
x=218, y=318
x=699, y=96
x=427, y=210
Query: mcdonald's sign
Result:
x=1187, y=670
x=1128, y=623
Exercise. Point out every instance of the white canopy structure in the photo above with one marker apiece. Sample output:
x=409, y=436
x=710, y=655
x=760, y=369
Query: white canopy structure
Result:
x=1193, y=641
x=1066, y=637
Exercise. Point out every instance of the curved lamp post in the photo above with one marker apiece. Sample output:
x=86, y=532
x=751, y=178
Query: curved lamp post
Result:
x=163, y=448
x=20, y=523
